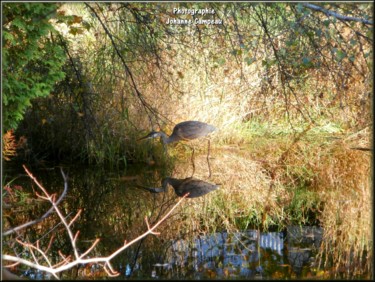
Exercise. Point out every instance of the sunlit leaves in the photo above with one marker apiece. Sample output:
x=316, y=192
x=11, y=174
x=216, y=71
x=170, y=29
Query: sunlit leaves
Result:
x=8, y=37
x=249, y=60
x=269, y=62
x=76, y=24
x=75, y=30
x=220, y=61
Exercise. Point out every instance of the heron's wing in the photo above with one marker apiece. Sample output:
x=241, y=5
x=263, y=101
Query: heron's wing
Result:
x=195, y=187
x=188, y=130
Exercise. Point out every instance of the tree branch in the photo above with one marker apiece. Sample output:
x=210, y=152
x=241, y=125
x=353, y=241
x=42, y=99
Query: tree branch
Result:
x=27, y=224
x=336, y=15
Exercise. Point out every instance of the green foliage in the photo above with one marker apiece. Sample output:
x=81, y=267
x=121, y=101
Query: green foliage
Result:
x=300, y=210
x=31, y=59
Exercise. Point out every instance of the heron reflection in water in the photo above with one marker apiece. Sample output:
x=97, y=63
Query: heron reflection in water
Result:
x=185, y=131
x=195, y=187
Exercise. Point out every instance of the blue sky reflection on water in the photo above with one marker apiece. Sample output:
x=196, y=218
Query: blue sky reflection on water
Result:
x=242, y=255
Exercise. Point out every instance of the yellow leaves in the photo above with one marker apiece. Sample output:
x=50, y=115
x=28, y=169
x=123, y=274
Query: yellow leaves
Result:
x=277, y=275
x=322, y=274
x=10, y=146
x=76, y=30
x=61, y=12
x=210, y=273
x=76, y=19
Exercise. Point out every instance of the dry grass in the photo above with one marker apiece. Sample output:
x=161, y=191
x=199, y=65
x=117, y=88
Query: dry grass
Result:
x=343, y=178
x=9, y=145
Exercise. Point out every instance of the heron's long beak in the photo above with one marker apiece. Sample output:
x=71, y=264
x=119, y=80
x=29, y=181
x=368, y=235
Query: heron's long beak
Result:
x=142, y=138
x=151, y=189
x=145, y=137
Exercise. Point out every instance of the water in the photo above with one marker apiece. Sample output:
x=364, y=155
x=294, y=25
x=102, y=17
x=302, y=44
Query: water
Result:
x=113, y=209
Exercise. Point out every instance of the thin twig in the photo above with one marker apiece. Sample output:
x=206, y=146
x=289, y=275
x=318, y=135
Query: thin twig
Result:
x=77, y=215
x=96, y=259
x=27, y=224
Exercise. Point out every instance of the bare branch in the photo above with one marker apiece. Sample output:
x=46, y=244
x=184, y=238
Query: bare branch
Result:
x=77, y=215
x=76, y=236
x=54, y=205
x=90, y=249
x=50, y=243
x=148, y=226
x=27, y=224
x=336, y=15
x=63, y=262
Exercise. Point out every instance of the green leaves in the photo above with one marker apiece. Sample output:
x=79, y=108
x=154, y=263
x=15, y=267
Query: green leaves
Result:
x=31, y=61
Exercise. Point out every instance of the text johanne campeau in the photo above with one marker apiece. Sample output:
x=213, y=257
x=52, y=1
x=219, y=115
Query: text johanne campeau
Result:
x=193, y=12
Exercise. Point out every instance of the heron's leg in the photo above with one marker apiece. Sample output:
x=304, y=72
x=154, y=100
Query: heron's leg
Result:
x=208, y=158
x=165, y=149
x=192, y=156
x=192, y=160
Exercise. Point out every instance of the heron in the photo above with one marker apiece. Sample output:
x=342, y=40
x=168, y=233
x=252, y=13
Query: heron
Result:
x=186, y=131
x=195, y=187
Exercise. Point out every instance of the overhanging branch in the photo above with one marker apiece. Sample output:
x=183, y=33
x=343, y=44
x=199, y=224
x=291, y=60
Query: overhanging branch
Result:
x=336, y=15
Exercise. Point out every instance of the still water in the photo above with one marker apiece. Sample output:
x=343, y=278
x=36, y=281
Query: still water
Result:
x=113, y=209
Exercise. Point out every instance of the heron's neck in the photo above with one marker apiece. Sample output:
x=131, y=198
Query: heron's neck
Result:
x=174, y=182
x=157, y=189
x=164, y=184
x=165, y=138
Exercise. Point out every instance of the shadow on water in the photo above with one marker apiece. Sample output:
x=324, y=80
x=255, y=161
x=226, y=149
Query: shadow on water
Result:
x=114, y=209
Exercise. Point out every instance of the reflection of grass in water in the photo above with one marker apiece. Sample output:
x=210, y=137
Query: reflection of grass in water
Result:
x=320, y=181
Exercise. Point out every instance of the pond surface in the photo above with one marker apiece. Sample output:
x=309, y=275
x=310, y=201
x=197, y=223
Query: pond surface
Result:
x=113, y=209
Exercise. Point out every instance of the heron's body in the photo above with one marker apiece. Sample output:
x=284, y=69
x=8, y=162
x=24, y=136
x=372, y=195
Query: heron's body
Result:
x=187, y=130
x=195, y=187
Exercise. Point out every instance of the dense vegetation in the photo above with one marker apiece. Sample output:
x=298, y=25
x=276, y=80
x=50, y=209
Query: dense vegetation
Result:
x=288, y=85
x=32, y=59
